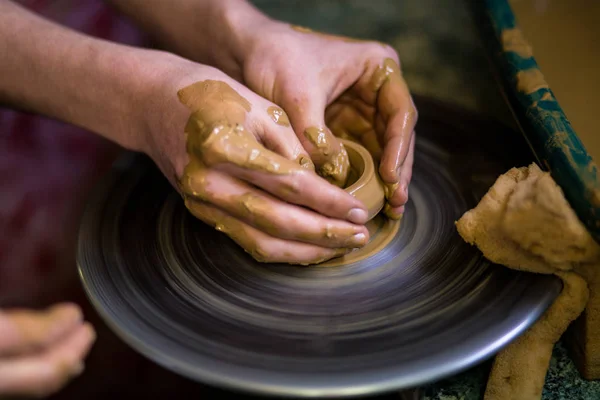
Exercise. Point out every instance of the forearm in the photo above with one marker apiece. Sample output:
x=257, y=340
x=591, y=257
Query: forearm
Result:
x=212, y=32
x=51, y=70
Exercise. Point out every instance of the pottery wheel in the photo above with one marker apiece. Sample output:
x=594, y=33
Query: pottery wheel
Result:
x=427, y=305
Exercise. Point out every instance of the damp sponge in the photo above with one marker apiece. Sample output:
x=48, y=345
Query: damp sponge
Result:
x=525, y=223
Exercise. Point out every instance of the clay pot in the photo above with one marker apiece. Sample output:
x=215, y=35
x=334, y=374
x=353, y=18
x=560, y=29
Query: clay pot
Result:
x=363, y=180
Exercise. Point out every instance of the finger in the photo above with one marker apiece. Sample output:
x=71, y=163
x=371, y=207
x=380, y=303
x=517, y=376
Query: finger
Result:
x=27, y=330
x=237, y=152
x=44, y=374
x=396, y=107
x=269, y=214
x=259, y=245
x=307, y=116
x=400, y=195
x=350, y=119
x=305, y=188
x=276, y=134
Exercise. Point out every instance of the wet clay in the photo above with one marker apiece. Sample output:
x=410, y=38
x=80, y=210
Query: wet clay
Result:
x=525, y=223
x=305, y=162
x=303, y=29
x=381, y=232
x=563, y=35
x=215, y=134
x=278, y=116
x=384, y=73
x=335, y=169
x=364, y=183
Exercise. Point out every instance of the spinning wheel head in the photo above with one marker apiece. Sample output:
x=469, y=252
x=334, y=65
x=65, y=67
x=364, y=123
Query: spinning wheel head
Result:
x=422, y=306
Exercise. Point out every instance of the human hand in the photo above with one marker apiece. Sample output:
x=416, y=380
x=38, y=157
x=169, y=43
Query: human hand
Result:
x=323, y=82
x=245, y=173
x=41, y=351
x=353, y=88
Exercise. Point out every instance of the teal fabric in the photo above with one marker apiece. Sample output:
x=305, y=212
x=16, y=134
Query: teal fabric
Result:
x=544, y=123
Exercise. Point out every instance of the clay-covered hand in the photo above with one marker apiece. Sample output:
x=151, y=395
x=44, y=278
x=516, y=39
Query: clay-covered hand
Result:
x=353, y=88
x=240, y=167
x=41, y=351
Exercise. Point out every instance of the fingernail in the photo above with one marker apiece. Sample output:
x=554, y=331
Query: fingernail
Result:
x=358, y=240
x=357, y=216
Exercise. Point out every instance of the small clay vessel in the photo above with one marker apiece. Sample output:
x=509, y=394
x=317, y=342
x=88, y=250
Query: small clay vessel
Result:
x=364, y=182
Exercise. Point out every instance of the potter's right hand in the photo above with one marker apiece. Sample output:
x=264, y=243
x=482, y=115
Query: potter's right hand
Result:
x=241, y=169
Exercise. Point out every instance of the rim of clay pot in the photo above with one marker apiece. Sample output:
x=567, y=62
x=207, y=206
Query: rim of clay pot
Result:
x=365, y=183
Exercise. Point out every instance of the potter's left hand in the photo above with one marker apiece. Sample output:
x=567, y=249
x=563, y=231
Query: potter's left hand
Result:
x=355, y=88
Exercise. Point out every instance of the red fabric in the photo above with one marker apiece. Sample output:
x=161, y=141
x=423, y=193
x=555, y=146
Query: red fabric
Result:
x=45, y=169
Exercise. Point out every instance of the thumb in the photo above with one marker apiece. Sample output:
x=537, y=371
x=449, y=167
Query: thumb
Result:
x=307, y=117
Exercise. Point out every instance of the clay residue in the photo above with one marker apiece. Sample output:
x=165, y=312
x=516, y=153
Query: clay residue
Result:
x=303, y=29
x=514, y=41
x=530, y=81
x=215, y=134
x=317, y=136
x=305, y=162
x=215, y=129
x=278, y=116
x=381, y=232
x=335, y=168
x=383, y=74
x=214, y=103
x=525, y=223
x=390, y=213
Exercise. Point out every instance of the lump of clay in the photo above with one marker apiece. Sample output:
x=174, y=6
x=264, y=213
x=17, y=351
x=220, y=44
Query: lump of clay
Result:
x=525, y=223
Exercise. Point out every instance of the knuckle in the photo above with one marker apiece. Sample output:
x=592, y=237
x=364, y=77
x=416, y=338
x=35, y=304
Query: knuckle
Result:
x=379, y=50
x=334, y=201
x=194, y=184
x=413, y=113
x=293, y=184
x=261, y=252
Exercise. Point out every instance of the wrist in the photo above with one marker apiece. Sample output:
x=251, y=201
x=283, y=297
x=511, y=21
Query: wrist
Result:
x=244, y=26
x=164, y=117
x=211, y=32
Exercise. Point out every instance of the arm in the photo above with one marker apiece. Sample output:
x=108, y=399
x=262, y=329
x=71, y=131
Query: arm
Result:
x=48, y=69
x=325, y=83
x=134, y=98
x=211, y=32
